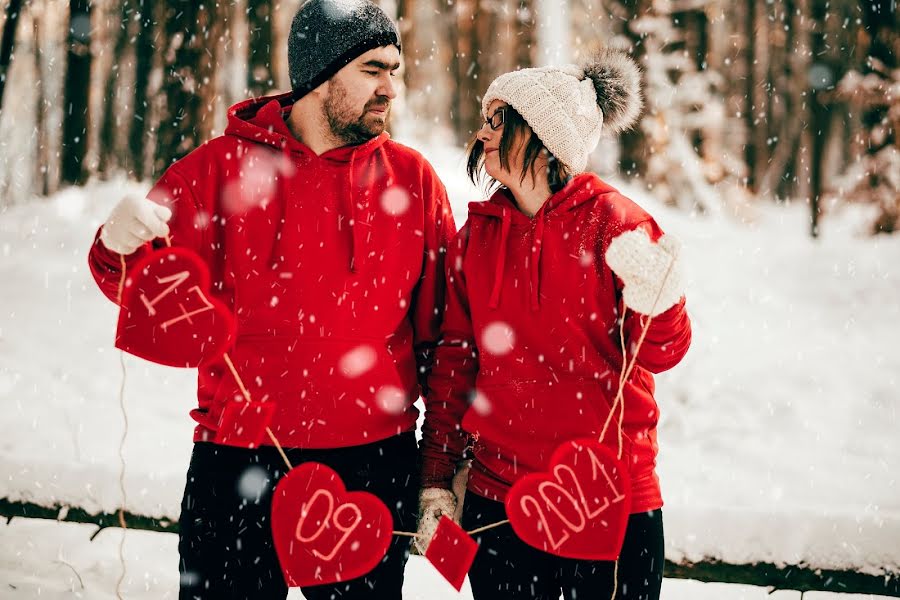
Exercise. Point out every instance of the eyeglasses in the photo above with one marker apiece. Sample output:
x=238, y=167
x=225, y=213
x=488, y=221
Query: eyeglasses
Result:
x=496, y=120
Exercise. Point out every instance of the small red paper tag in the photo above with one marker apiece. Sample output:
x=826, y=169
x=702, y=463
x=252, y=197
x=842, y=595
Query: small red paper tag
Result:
x=168, y=315
x=451, y=551
x=323, y=533
x=579, y=509
x=244, y=423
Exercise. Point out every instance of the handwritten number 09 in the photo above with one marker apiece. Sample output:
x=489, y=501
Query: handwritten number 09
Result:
x=331, y=515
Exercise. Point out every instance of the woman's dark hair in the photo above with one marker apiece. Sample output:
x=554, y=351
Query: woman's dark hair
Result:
x=513, y=123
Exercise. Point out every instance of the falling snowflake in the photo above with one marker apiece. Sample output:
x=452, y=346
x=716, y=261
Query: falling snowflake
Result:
x=391, y=400
x=498, y=338
x=201, y=220
x=257, y=184
x=253, y=483
x=358, y=361
x=481, y=403
x=395, y=201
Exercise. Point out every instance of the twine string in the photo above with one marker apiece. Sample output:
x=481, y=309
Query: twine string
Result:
x=122, y=490
x=619, y=401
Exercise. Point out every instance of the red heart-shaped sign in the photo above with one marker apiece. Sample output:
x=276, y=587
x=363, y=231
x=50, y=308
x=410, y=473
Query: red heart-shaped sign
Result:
x=168, y=315
x=323, y=533
x=451, y=551
x=579, y=509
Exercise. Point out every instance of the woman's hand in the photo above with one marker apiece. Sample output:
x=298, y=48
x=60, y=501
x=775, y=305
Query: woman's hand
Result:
x=651, y=272
x=434, y=503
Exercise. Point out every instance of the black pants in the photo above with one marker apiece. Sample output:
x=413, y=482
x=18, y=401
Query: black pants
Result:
x=225, y=543
x=506, y=567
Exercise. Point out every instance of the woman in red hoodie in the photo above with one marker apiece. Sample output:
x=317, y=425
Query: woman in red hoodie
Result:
x=540, y=305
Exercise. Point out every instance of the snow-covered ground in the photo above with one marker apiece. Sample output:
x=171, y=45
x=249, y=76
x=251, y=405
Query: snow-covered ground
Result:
x=54, y=561
x=778, y=438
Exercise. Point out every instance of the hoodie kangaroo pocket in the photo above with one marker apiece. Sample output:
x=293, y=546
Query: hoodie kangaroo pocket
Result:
x=323, y=383
x=522, y=424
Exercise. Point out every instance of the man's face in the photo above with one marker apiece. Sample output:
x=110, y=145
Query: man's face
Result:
x=358, y=97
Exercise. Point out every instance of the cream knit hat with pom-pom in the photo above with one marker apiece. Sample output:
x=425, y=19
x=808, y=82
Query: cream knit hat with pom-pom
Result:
x=568, y=106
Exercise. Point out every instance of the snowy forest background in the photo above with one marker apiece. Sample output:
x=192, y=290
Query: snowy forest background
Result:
x=753, y=101
x=768, y=145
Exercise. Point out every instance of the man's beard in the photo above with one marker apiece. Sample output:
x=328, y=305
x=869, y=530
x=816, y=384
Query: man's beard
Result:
x=346, y=124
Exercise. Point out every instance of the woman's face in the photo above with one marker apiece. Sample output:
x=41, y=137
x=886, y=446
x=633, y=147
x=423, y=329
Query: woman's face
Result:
x=490, y=137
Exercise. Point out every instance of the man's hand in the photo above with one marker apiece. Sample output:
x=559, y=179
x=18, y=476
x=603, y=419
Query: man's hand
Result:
x=133, y=222
x=433, y=504
x=651, y=272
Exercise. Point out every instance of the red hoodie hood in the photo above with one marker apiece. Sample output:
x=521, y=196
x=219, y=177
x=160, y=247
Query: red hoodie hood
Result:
x=583, y=190
x=262, y=120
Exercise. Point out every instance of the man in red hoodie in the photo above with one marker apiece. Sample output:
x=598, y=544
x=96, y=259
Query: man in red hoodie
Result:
x=326, y=239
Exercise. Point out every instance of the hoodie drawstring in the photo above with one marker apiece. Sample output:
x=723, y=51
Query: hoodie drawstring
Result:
x=355, y=244
x=535, y=266
x=374, y=174
x=288, y=156
x=500, y=266
x=275, y=255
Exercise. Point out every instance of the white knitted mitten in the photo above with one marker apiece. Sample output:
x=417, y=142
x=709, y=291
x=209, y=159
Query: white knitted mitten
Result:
x=433, y=504
x=642, y=266
x=133, y=222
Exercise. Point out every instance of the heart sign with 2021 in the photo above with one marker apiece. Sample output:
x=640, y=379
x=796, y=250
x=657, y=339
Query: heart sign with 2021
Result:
x=578, y=508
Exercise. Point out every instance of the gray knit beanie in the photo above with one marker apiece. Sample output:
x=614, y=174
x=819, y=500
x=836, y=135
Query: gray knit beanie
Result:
x=327, y=35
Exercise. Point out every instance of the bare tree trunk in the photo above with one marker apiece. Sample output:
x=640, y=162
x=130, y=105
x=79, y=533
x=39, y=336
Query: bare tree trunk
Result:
x=507, y=28
x=215, y=31
x=283, y=12
x=450, y=15
x=260, y=76
x=633, y=160
x=693, y=26
x=757, y=94
x=819, y=134
x=719, y=143
x=793, y=118
x=466, y=70
x=415, y=92
x=9, y=39
x=111, y=116
x=406, y=10
x=824, y=70
x=821, y=80
x=880, y=119
x=192, y=32
x=42, y=154
x=788, y=117
x=143, y=65
x=477, y=26
x=221, y=63
x=75, y=105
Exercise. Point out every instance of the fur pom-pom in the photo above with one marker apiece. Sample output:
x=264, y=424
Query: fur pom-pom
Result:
x=617, y=81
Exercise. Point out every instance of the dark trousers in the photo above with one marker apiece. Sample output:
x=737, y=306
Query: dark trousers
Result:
x=506, y=567
x=225, y=542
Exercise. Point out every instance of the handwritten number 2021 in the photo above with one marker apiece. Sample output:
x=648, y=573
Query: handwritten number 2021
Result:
x=572, y=498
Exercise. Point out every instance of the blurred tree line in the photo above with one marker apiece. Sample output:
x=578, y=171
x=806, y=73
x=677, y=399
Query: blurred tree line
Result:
x=786, y=99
